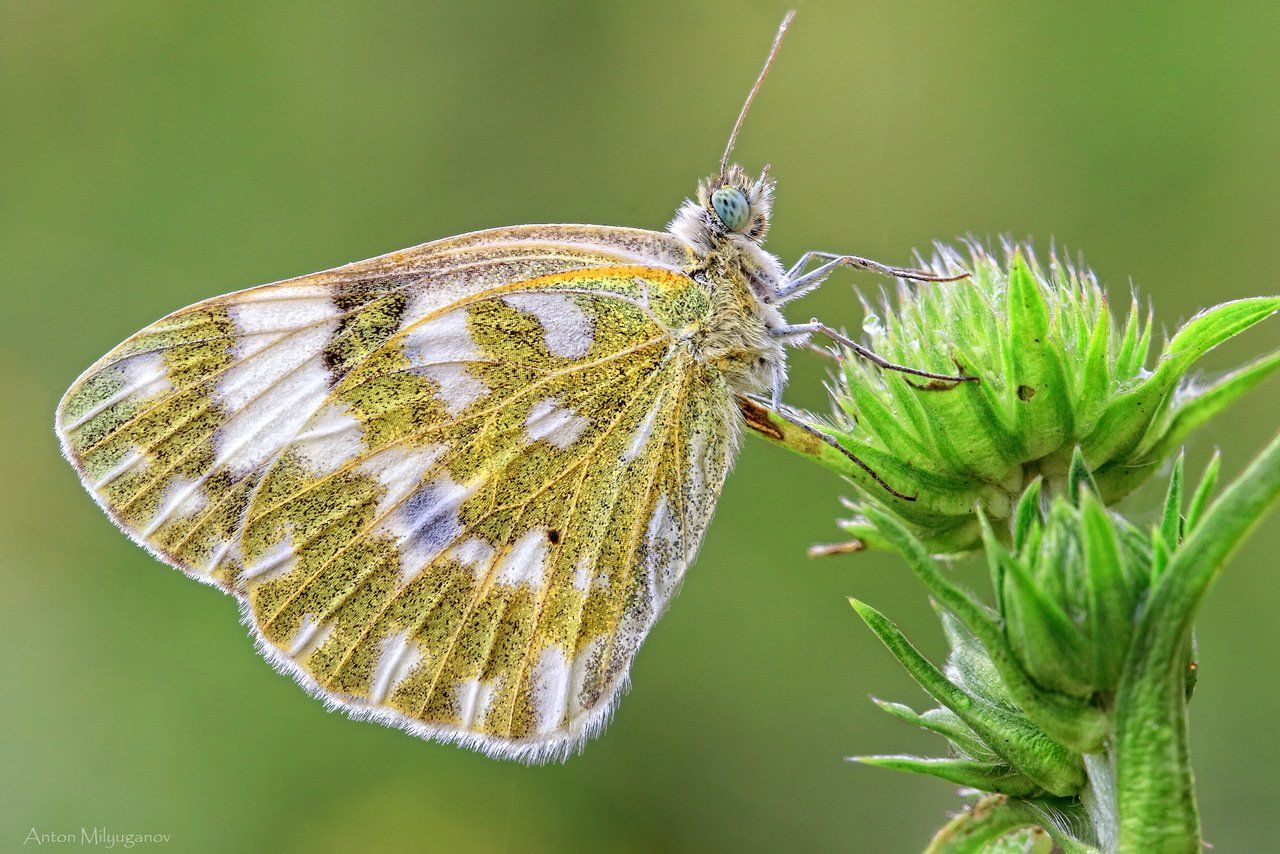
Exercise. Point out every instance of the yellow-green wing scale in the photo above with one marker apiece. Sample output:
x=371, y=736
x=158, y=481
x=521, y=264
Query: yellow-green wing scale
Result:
x=452, y=486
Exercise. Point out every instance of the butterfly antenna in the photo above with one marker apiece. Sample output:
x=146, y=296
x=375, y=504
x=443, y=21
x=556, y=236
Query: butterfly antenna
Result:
x=768, y=63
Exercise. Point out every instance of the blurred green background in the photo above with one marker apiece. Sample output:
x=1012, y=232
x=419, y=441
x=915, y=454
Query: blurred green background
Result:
x=155, y=153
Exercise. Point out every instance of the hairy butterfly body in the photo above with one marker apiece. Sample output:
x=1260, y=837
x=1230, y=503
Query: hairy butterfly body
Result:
x=453, y=487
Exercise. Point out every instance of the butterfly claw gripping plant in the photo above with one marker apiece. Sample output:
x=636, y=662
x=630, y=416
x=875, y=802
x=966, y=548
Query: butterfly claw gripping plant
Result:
x=1064, y=702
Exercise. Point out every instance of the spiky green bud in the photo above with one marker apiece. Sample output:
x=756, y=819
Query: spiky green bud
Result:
x=1057, y=371
x=1068, y=590
x=1069, y=696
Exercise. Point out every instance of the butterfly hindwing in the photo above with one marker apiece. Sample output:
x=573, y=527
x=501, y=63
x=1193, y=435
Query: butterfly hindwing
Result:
x=453, y=489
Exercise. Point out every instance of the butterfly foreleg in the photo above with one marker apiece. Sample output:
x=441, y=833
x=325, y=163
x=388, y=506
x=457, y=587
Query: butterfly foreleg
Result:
x=798, y=280
x=817, y=327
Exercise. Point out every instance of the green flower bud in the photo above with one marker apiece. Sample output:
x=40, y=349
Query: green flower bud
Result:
x=1056, y=371
x=1069, y=589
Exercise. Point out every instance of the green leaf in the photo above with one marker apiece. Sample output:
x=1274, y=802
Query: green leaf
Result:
x=1095, y=377
x=1079, y=477
x=984, y=776
x=1206, y=402
x=941, y=722
x=1128, y=417
x=1160, y=554
x=1211, y=327
x=1109, y=599
x=1143, y=350
x=1037, y=378
x=1074, y=724
x=994, y=550
x=1128, y=360
x=998, y=824
x=1204, y=491
x=1014, y=739
x=1052, y=648
x=1171, y=518
x=1027, y=515
x=976, y=830
x=865, y=406
x=968, y=663
x=926, y=569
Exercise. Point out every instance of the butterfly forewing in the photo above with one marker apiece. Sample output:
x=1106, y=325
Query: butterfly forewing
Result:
x=453, y=486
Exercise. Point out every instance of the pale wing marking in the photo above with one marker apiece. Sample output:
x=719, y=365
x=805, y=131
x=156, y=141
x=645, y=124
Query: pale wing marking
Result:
x=359, y=538
x=439, y=426
x=607, y=655
x=461, y=419
x=492, y=563
x=533, y=635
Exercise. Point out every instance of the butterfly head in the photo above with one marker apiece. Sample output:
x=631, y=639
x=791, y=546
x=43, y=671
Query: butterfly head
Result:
x=732, y=209
x=729, y=207
x=736, y=204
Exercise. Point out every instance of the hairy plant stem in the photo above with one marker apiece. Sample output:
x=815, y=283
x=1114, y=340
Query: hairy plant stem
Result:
x=1155, y=793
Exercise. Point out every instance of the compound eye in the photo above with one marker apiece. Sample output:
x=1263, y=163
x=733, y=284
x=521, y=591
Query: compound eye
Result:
x=731, y=207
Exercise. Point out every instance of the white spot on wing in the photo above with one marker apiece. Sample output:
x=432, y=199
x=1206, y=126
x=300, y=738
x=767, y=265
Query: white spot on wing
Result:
x=441, y=340
x=181, y=498
x=557, y=424
x=661, y=569
x=426, y=523
x=399, y=655
x=145, y=371
x=582, y=574
x=218, y=554
x=565, y=327
x=276, y=561
x=425, y=302
x=550, y=689
x=585, y=663
x=474, y=699
x=401, y=470
x=277, y=381
x=311, y=635
x=458, y=389
x=258, y=324
x=526, y=562
x=143, y=375
x=643, y=431
x=332, y=438
x=254, y=434
x=474, y=553
x=663, y=563
x=127, y=462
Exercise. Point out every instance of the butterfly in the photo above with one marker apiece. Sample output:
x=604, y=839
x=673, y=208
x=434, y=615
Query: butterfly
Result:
x=453, y=487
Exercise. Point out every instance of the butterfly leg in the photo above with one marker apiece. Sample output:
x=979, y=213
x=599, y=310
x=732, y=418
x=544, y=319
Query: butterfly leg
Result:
x=798, y=282
x=779, y=382
x=813, y=327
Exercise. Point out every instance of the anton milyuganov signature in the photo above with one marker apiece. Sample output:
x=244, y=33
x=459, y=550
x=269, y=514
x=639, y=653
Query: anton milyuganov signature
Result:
x=97, y=837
